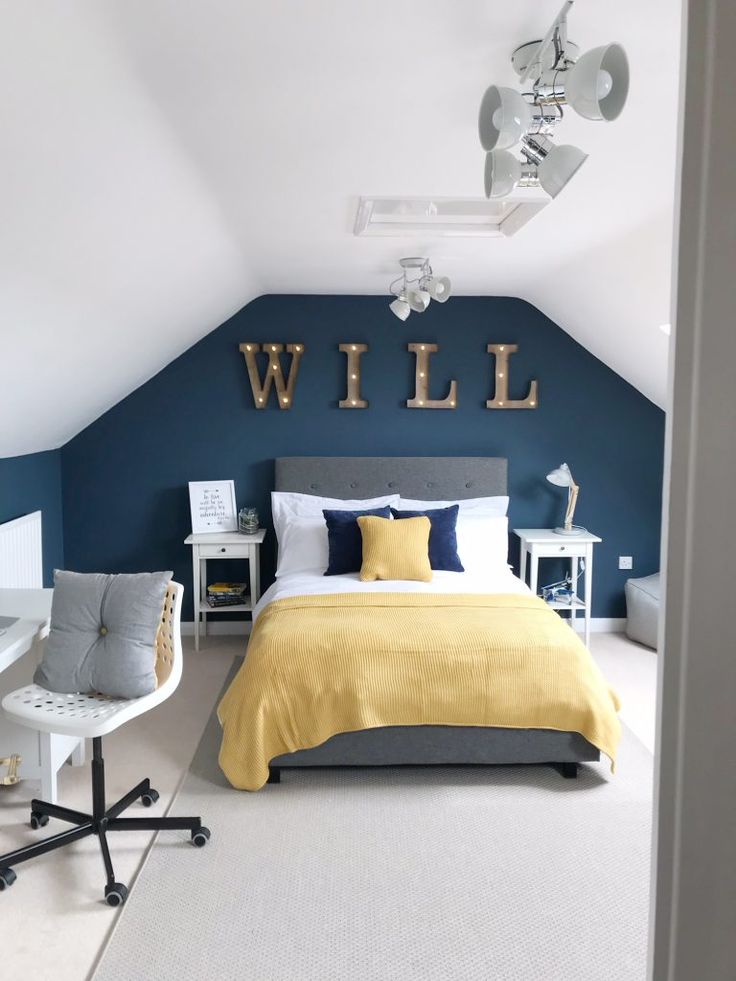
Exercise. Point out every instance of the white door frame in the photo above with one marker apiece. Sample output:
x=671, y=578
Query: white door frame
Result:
x=694, y=898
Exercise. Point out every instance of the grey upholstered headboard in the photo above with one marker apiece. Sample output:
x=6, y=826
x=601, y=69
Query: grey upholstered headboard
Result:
x=428, y=478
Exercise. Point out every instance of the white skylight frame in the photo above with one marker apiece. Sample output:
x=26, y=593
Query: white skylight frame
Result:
x=448, y=217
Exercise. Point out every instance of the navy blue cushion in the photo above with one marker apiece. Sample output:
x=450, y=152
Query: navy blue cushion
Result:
x=345, y=541
x=442, y=536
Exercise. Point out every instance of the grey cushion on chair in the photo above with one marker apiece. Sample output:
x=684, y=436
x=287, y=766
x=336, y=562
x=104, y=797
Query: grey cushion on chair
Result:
x=642, y=609
x=103, y=633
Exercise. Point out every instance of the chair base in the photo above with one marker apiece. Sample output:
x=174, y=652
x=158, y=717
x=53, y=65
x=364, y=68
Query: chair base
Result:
x=102, y=820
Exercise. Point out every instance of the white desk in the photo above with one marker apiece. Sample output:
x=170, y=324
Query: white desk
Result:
x=33, y=608
x=43, y=754
x=539, y=543
x=223, y=545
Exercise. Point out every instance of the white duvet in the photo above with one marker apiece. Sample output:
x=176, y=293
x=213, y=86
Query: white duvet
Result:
x=316, y=583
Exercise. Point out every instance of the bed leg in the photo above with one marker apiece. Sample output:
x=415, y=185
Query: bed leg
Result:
x=568, y=770
x=274, y=774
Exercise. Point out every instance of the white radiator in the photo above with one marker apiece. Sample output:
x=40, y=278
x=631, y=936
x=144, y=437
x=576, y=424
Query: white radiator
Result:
x=21, y=553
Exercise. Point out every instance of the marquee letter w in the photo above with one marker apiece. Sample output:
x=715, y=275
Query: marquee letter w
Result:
x=274, y=374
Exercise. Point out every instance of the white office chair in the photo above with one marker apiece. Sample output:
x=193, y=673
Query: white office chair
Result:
x=92, y=717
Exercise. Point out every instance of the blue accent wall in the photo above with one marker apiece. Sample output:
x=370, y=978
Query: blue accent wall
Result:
x=33, y=483
x=126, y=505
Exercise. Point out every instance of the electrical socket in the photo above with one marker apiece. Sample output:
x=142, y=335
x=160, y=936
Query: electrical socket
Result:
x=625, y=562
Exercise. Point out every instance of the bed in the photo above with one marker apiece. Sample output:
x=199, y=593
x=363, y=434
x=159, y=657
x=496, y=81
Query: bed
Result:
x=427, y=478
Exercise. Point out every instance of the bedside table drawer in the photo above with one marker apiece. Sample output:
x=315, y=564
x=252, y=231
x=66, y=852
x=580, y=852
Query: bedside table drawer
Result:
x=225, y=551
x=548, y=549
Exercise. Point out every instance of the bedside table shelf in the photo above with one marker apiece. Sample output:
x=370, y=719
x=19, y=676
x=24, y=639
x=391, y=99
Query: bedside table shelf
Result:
x=542, y=543
x=223, y=545
x=204, y=607
x=577, y=604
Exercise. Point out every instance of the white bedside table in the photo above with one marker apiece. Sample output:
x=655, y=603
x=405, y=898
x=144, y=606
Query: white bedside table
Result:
x=539, y=543
x=223, y=545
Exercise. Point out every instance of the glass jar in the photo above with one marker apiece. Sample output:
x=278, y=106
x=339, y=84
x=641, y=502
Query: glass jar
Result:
x=247, y=521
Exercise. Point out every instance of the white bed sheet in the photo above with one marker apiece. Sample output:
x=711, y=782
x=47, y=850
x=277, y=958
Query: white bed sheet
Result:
x=316, y=583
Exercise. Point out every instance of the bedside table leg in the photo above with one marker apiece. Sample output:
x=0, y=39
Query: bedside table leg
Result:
x=203, y=593
x=522, y=564
x=195, y=594
x=588, y=591
x=253, y=575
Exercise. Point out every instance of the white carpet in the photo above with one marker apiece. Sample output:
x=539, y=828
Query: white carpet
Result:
x=499, y=874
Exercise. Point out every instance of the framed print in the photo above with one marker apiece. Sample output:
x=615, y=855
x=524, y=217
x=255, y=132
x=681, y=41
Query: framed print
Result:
x=212, y=504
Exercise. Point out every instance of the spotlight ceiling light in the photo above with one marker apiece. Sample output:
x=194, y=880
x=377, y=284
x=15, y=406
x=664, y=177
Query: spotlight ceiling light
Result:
x=400, y=308
x=502, y=174
x=439, y=288
x=416, y=294
x=598, y=83
x=504, y=118
x=418, y=300
x=558, y=166
x=553, y=75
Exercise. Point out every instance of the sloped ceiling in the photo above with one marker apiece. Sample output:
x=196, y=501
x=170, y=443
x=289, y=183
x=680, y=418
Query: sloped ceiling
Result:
x=166, y=161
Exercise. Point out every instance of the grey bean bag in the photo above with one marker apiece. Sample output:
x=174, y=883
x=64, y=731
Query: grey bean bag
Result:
x=642, y=609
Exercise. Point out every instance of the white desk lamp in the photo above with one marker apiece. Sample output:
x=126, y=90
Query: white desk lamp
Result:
x=561, y=477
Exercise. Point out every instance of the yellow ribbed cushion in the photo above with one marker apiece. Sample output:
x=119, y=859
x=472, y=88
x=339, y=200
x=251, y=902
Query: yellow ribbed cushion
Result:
x=395, y=549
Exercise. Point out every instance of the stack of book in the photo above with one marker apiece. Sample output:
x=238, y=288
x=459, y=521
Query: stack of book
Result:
x=226, y=593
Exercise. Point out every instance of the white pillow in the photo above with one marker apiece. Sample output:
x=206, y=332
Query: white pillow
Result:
x=303, y=546
x=286, y=505
x=483, y=543
x=474, y=505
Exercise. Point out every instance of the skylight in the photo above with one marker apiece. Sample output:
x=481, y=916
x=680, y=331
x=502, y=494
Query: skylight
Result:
x=468, y=217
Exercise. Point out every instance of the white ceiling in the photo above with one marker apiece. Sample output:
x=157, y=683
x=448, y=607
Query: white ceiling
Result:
x=165, y=161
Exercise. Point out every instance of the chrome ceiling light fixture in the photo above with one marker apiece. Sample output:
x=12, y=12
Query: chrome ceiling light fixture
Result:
x=553, y=75
x=416, y=293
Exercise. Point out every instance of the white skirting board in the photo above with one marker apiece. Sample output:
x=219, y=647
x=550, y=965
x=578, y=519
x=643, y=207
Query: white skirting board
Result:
x=611, y=625
x=603, y=625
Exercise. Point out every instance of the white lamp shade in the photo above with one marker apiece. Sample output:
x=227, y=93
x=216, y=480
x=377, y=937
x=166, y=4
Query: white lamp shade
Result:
x=439, y=288
x=502, y=173
x=418, y=300
x=598, y=83
x=400, y=308
x=503, y=118
x=560, y=476
x=560, y=164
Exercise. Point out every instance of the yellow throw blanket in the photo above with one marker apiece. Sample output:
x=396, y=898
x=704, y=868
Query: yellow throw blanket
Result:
x=319, y=665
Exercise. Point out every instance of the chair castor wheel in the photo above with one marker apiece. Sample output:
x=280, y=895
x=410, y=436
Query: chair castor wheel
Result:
x=7, y=878
x=200, y=837
x=150, y=797
x=116, y=894
x=38, y=820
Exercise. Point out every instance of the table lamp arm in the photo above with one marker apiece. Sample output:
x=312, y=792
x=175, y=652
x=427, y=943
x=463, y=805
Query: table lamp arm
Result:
x=572, y=499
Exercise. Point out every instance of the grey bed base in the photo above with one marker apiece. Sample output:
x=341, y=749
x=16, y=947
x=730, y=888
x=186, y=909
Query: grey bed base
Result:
x=423, y=478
